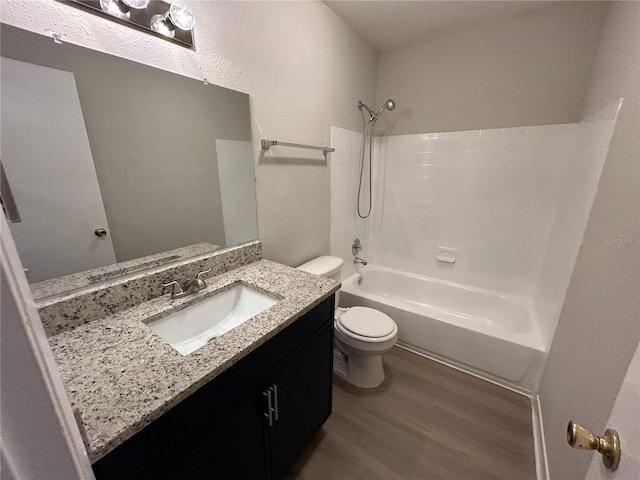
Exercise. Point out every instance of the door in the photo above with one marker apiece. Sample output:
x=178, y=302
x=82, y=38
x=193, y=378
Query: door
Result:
x=44, y=136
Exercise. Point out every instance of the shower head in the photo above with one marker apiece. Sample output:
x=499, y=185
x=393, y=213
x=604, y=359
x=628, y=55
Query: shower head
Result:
x=373, y=116
x=389, y=105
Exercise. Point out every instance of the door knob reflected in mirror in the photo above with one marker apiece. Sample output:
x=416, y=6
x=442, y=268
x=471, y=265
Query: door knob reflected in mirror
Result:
x=100, y=232
x=608, y=444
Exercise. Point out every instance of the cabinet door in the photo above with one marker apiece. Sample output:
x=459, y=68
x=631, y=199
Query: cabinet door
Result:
x=233, y=449
x=303, y=386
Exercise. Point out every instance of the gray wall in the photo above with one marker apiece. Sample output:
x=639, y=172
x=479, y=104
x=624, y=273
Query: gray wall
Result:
x=528, y=70
x=152, y=135
x=599, y=328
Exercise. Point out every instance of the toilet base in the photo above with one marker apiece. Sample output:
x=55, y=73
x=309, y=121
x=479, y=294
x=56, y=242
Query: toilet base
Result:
x=339, y=363
x=364, y=371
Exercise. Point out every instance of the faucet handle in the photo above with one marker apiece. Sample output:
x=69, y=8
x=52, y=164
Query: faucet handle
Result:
x=200, y=281
x=176, y=289
x=356, y=247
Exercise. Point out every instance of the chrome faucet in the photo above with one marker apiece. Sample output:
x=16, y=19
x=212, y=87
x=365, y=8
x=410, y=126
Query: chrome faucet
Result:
x=357, y=260
x=192, y=287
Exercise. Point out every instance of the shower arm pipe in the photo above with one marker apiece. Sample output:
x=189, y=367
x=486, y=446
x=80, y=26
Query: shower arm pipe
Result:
x=266, y=144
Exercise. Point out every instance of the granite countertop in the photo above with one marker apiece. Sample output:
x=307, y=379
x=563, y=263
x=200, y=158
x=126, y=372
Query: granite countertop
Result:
x=121, y=376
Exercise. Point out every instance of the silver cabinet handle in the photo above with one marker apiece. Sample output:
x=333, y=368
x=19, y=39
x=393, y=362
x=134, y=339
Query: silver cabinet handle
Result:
x=275, y=399
x=269, y=413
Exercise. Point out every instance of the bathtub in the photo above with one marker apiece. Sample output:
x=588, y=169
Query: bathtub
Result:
x=482, y=332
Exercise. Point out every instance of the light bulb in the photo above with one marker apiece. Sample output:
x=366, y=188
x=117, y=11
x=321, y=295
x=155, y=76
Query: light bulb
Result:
x=112, y=7
x=181, y=16
x=136, y=4
x=159, y=25
x=178, y=16
x=122, y=8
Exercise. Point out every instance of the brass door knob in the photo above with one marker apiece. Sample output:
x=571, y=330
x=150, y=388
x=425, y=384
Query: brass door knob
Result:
x=608, y=444
x=100, y=232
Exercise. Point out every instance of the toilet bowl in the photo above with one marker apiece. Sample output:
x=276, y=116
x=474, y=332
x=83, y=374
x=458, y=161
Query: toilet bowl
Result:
x=362, y=334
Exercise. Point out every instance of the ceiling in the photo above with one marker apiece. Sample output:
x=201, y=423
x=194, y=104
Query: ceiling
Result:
x=391, y=24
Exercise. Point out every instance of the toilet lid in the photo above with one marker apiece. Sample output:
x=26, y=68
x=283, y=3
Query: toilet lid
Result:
x=367, y=322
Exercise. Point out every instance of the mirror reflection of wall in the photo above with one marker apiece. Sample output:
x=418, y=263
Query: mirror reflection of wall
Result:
x=92, y=141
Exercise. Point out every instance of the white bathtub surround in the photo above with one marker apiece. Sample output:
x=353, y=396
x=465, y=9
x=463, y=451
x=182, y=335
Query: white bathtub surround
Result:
x=513, y=202
x=573, y=205
x=490, y=194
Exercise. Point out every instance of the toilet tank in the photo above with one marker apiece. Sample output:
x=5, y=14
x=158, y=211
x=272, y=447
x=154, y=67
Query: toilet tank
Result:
x=326, y=266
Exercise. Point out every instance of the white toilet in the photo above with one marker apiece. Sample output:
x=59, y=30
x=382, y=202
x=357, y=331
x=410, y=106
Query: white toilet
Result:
x=362, y=334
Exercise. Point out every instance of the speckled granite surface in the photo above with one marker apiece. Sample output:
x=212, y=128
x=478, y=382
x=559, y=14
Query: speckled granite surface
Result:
x=61, y=285
x=75, y=308
x=120, y=376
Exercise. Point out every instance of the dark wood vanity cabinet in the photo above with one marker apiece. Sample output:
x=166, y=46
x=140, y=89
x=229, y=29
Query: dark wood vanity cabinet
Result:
x=224, y=430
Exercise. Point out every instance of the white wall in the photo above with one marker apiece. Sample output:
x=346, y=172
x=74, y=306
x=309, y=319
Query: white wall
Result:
x=599, y=328
x=303, y=68
x=528, y=70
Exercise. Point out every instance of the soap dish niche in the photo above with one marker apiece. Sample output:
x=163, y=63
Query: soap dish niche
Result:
x=446, y=254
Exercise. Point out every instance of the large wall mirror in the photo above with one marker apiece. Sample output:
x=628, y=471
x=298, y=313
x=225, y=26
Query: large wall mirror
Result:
x=109, y=160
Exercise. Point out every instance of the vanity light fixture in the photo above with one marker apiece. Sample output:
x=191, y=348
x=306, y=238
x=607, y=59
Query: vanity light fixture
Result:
x=178, y=16
x=170, y=21
x=122, y=8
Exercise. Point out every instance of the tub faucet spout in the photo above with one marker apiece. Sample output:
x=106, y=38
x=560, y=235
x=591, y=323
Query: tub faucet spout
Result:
x=358, y=260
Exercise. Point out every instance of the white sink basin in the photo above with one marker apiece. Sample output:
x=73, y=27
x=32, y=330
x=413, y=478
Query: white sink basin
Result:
x=191, y=328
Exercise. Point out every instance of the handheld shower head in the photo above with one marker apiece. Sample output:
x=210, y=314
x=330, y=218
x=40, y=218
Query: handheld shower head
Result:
x=389, y=105
x=369, y=125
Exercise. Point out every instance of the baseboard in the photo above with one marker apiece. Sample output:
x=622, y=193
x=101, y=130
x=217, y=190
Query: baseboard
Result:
x=468, y=370
x=542, y=467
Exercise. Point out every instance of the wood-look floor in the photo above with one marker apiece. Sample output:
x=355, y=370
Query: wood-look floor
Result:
x=426, y=421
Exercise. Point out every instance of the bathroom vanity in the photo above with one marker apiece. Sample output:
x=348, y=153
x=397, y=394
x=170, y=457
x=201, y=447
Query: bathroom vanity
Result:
x=242, y=406
x=250, y=422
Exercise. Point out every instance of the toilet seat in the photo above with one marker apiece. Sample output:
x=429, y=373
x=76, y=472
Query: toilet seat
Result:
x=367, y=325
